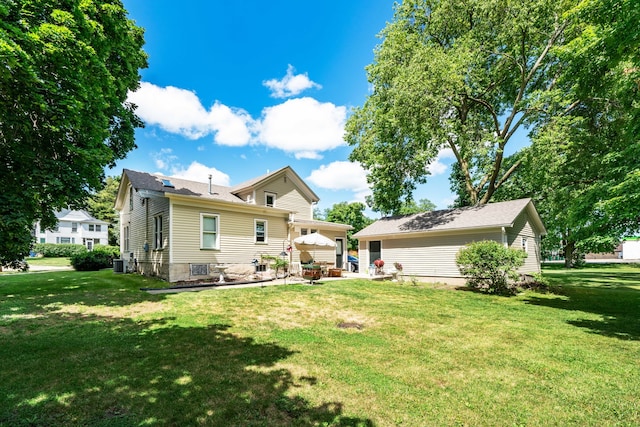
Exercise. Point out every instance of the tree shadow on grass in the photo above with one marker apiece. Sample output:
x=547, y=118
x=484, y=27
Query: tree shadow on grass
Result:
x=92, y=370
x=609, y=294
x=66, y=368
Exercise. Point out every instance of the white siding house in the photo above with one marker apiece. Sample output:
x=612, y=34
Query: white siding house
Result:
x=182, y=230
x=426, y=243
x=631, y=248
x=75, y=226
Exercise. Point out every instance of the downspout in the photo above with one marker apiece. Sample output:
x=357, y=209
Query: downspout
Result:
x=146, y=229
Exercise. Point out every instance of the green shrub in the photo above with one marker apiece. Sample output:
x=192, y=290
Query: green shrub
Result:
x=53, y=250
x=112, y=251
x=490, y=266
x=100, y=257
x=91, y=261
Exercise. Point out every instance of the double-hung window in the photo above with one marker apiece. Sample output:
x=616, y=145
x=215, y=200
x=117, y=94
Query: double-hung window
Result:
x=74, y=227
x=209, y=231
x=126, y=238
x=260, y=231
x=157, y=232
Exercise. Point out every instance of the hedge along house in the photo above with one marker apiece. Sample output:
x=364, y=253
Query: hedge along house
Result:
x=426, y=244
x=183, y=230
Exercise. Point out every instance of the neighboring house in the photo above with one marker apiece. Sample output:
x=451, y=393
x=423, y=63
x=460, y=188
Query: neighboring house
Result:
x=631, y=248
x=75, y=227
x=426, y=244
x=185, y=230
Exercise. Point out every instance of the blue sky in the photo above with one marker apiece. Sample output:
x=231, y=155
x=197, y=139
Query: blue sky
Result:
x=239, y=88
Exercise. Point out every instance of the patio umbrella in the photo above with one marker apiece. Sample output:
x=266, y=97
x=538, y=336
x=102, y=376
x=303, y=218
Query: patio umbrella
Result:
x=313, y=241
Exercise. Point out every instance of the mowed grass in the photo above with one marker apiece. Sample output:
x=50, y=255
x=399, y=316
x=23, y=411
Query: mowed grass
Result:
x=49, y=262
x=91, y=349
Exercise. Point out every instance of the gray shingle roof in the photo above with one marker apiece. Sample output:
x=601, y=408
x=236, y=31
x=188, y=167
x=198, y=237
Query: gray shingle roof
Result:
x=147, y=181
x=501, y=214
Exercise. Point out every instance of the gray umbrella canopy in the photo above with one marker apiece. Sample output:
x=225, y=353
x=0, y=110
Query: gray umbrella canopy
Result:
x=313, y=241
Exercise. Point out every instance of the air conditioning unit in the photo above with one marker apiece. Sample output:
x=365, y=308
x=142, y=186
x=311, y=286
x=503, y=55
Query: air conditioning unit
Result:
x=119, y=266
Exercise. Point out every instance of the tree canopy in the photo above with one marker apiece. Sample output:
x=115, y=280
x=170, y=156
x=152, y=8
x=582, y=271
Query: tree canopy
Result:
x=457, y=75
x=582, y=169
x=413, y=207
x=467, y=75
x=67, y=68
x=102, y=206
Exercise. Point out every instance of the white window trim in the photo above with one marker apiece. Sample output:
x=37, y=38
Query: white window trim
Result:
x=266, y=195
x=255, y=231
x=217, y=242
x=524, y=243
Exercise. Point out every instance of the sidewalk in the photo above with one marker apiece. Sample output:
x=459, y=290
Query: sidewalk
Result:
x=294, y=280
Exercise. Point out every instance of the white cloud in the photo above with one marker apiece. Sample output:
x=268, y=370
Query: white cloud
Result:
x=180, y=111
x=303, y=126
x=438, y=166
x=340, y=175
x=163, y=158
x=290, y=85
x=200, y=173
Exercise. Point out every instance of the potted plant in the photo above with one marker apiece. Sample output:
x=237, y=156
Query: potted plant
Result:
x=379, y=264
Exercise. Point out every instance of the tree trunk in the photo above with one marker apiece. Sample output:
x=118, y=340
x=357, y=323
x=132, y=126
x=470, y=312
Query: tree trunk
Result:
x=569, y=249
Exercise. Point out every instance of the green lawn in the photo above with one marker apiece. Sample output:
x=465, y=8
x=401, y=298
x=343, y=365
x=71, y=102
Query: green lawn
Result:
x=91, y=349
x=49, y=262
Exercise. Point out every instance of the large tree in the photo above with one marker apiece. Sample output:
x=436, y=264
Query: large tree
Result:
x=67, y=66
x=582, y=168
x=459, y=75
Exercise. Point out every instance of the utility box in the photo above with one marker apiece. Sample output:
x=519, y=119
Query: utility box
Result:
x=119, y=266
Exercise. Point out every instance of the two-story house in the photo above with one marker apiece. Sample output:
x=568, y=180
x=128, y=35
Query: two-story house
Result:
x=75, y=226
x=183, y=230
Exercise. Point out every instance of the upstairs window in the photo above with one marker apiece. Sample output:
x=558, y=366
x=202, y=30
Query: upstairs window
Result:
x=524, y=244
x=131, y=198
x=270, y=200
x=98, y=227
x=92, y=227
x=74, y=227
